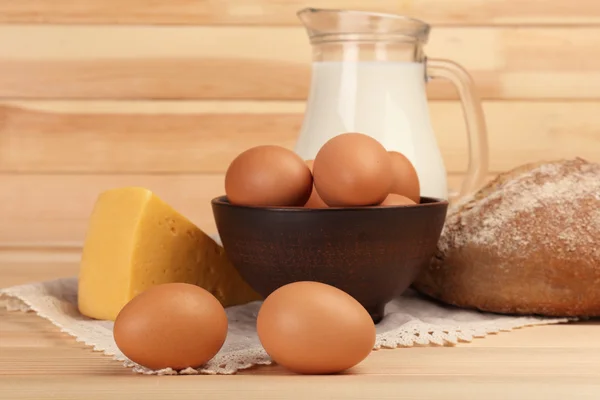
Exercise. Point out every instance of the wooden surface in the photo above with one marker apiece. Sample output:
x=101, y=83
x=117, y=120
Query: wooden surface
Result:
x=273, y=63
x=37, y=361
x=282, y=12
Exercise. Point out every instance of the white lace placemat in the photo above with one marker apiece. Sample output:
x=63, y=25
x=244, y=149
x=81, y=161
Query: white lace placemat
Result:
x=409, y=320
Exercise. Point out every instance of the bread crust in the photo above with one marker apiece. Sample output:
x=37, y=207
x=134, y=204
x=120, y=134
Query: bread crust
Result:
x=526, y=243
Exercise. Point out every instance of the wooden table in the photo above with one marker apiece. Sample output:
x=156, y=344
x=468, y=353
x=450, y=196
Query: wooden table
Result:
x=37, y=361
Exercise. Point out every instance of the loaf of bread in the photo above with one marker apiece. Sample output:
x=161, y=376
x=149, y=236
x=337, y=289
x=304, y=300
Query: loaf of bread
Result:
x=527, y=243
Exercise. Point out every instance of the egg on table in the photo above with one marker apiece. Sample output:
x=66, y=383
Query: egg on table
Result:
x=314, y=328
x=173, y=325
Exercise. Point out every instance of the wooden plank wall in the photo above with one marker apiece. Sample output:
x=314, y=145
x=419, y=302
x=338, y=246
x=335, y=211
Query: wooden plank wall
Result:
x=102, y=93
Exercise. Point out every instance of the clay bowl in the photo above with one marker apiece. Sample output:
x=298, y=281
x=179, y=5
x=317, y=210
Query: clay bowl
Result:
x=372, y=253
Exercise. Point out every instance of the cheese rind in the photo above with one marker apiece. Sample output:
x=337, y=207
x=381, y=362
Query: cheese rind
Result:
x=135, y=241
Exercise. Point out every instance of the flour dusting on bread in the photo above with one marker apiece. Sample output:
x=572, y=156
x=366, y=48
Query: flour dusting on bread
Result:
x=562, y=188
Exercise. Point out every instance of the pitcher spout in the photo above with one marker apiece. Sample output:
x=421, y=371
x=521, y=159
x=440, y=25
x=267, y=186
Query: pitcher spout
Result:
x=352, y=24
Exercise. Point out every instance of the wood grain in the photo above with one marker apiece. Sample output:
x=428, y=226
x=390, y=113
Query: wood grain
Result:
x=126, y=62
x=30, y=267
x=53, y=210
x=203, y=137
x=133, y=137
x=102, y=384
x=277, y=12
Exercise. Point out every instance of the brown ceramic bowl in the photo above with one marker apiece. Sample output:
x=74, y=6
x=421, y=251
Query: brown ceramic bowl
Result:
x=372, y=253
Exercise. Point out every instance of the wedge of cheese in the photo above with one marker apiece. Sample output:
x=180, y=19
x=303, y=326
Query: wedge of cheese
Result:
x=135, y=241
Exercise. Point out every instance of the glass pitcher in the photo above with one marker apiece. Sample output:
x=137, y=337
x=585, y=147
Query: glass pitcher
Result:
x=368, y=75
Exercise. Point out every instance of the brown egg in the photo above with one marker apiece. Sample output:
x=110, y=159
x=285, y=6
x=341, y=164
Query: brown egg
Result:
x=394, y=199
x=314, y=328
x=268, y=176
x=406, y=180
x=314, y=200
x=352, y=169
x=175, y=325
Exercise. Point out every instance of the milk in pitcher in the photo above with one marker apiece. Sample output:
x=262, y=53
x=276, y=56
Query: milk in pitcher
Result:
x=386, y=100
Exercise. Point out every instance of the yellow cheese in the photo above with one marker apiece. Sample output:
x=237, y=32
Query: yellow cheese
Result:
x=135, y=241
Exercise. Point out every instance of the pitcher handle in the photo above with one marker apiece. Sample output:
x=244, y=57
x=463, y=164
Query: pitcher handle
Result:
x=476, y=130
